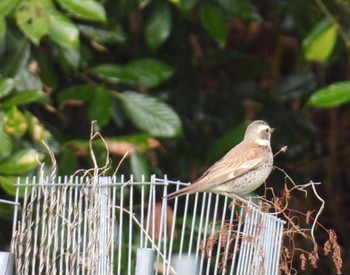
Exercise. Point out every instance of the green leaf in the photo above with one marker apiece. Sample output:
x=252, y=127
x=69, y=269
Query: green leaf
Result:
x=146, y=73
x=22, y=161
x=213, y=21
x=151, y=114
x=319, y=43
x=115, y=35
x=243, y=9
x=87, y=9
x=139, y=166
x=18, y=51
x=32, y=19
x=26, y=80
x=23, y=97
x=6, y=6
x=72, y=57
x=47, y=73
x=2, y=28
x=100, y=106
x=331, y=96
x=158, y=26
x=187, y=5
x=6, y=86
x=63, y=31
x=8, y=185
x=83, y=93
x=49, y=5
x=114, y=73
x=6, y=144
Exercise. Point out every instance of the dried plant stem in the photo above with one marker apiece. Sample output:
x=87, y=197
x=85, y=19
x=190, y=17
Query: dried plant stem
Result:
x=319, y=211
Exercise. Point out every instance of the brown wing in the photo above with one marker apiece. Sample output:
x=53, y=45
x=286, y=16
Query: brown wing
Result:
x=237, y=162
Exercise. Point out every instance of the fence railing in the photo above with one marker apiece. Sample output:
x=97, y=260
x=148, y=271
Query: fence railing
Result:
x=103, y=225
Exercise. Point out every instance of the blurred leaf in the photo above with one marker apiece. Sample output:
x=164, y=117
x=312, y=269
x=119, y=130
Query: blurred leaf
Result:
x=32, y=19
x=18, y=51
x=146, y=73
x=22, y=161
x=296, y=85
x=139, y=166
x=15, y=123
x=63, y=31
x=83, y=93
x=23, y=97
x=151, y=114
x=47, y=71
x=6, y=86
x=100, y=106
x=331, y=96
x=187, y=5
x=226, y=142
x=72, y=57
x=123, y=8
x=114, y=73
x=319, y=43
x=158, y=26
x=2, y=28
x=175, y=2
x=87, y=9
x=8, y=185
x=103, y=36
x=213, y=21
x=49, y=4
x=6, y=6
x=26, y=80
x=243, y=9
x=6, y=144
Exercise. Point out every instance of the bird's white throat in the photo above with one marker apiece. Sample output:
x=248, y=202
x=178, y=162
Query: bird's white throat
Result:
x=262, y=142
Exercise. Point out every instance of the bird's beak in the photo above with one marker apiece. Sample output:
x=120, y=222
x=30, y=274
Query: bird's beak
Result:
x=273, y=129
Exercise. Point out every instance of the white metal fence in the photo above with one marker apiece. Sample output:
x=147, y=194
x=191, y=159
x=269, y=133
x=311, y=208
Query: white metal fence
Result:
x=98, y=225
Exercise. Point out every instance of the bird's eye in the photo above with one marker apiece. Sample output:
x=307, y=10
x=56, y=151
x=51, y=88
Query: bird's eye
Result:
x=267, y=130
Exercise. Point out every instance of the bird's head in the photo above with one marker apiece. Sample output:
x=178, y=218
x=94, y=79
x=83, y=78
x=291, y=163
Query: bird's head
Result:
x=259, y=132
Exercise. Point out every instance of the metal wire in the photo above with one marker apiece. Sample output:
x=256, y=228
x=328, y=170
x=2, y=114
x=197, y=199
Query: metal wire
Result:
x=95, y=225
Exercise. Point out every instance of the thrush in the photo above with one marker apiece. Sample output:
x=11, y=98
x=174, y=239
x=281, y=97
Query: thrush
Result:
x=242, y=170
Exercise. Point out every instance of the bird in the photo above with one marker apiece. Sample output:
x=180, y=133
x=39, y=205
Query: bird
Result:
x=242, y=170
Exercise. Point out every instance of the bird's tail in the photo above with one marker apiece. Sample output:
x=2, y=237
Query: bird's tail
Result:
x=181, y=192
